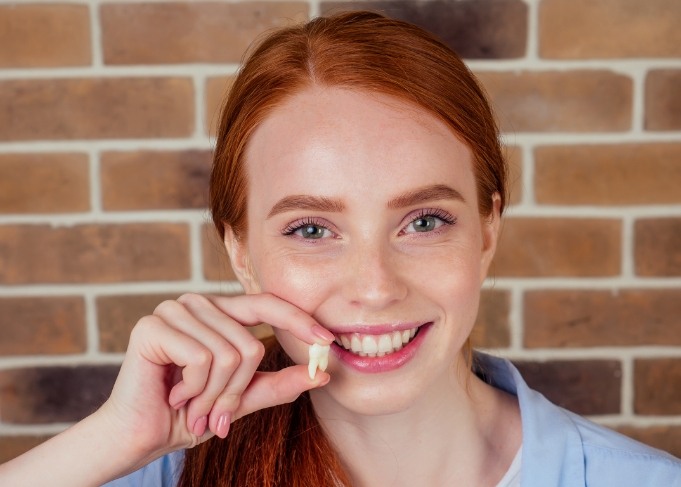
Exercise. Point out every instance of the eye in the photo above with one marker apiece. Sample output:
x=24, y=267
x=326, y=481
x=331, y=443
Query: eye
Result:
x=429, y=220
x=308, y=229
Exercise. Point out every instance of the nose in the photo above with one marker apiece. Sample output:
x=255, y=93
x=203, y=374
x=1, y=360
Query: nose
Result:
x=373, y=278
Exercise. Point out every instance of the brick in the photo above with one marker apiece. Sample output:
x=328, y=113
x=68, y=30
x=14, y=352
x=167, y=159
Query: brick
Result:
x=495, y=29
x=93, y=253
x=657, y=386
x=43, y=395
x=590, y=318
x=146, y=180
x=216, y=91
x=96, y=108
x=657, y=247
x=560, y=101
x=58, y=183
x=13, y=446
x=118, y=314
x=189, y=32
x=552, y=247
x=42, y=325
x=624, y=174
x=44, y=36
x=663, y=99
x=586, y=387
x=666, y=438
x=492, y=329
x=216, y=264
x=583, y=29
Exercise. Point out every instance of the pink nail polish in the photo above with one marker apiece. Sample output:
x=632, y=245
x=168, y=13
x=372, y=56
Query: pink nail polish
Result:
x=224, y=422
x=323, y=333
x=200, y=426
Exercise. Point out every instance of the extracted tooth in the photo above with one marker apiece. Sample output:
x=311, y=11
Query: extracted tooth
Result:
x=319, y=358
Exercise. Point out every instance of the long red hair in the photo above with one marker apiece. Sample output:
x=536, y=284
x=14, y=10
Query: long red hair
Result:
x=285, y=445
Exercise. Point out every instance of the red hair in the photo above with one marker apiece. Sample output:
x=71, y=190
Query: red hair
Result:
x=286, y=445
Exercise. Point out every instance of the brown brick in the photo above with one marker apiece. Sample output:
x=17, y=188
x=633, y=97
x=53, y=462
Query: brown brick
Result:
x=216, y=265
x=579, y=318
x=216, y=91
x=495, y=29
x=117, y=315
x=625, y=174
x=657, y=247
x=657, y=386
x=492, y=329
x=583, y=386
x=93, y=253
x=53, y=394
x=568, y=247
x=91, y=108
x=560, y=101
x=189, y=32
x=42, y=325
x=663, y=100
x=44, y=183
x=666, y=438
x=584, y=29
x=44, y=36
x=146, y=180
x=13, y=446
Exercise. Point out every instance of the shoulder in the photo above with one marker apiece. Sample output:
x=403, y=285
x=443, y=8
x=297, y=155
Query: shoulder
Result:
x=618, y=460
x=564, y=449
x=163, y=472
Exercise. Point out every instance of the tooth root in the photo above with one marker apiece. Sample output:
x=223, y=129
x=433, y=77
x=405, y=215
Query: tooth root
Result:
x=312, y=367
x=319, y=358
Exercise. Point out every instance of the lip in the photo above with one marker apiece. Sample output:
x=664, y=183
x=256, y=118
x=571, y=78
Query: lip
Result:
x=385, y=363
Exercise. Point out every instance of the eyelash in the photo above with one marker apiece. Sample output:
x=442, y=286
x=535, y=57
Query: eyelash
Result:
x=442, y=215
x=293, y=227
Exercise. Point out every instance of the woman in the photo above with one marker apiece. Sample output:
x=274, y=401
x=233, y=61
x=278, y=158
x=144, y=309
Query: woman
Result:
x=358, y=184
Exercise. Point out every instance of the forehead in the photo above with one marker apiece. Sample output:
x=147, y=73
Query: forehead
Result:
x=337, y=142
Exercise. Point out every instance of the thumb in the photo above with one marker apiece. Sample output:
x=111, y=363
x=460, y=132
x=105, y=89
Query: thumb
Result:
x=269, y=389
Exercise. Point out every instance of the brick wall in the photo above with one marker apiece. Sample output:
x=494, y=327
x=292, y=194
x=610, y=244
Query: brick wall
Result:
x=106, y=115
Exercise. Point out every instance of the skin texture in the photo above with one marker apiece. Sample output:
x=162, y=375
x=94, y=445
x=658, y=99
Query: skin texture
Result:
x=370, y=267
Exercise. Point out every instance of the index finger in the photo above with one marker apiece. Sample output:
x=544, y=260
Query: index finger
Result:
x=254, y=309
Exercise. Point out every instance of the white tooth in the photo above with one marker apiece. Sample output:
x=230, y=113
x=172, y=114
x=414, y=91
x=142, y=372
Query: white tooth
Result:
x=412, y=332
x=361, y=354
x=356, y=344
x=385, y=344
x=369, y=345
x=405, y=337
x=319, y=357
x=371, y=354
x=380, y=354
x=346, y=342
x=397, y=340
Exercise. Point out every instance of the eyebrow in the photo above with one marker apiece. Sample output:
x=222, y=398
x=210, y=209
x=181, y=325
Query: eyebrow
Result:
x=332, y=205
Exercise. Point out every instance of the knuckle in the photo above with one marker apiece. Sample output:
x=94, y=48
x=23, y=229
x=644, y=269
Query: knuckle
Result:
x=192, y=299
x=165, y=306
x=227, y=359
x=254, y=350
x=202, y=358
x=228, y=402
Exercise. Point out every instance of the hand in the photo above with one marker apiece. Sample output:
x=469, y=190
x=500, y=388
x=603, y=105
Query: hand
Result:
x=190, y=370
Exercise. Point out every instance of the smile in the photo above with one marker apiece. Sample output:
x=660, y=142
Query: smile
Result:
x=366, y=345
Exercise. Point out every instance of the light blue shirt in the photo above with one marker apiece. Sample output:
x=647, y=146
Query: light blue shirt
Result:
x=560, y=449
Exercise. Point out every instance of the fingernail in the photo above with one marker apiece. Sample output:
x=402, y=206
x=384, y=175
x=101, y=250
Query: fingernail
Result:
x=224, y=422
x=323, y=333
x=200, y=426
x=325, y=380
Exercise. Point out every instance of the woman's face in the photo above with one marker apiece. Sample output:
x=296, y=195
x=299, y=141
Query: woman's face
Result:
x=362, y=211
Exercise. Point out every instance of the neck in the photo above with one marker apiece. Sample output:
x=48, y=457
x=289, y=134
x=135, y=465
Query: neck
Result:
x=462, y=432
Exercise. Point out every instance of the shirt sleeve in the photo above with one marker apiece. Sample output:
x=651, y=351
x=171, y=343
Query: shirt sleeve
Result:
x=163, y=472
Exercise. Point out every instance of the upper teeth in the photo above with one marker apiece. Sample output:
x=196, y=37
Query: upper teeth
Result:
x=375, y=345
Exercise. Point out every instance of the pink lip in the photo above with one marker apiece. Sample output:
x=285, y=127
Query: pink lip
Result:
x=385, y=363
